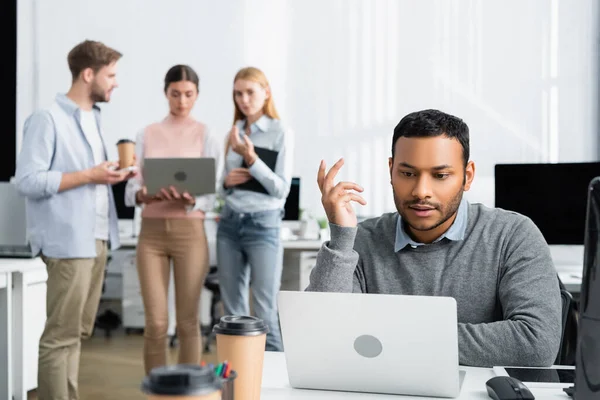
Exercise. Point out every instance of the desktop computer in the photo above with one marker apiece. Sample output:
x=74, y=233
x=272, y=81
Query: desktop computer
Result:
x=292, y=203
x=293, y=226
x=587, y=364
x=552, y=195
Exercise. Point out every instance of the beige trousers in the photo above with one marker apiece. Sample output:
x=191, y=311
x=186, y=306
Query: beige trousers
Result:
x=183, y=241
x=74, y=288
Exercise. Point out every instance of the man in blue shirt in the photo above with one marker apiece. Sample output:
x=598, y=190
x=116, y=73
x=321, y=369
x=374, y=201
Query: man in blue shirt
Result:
x=64, y=173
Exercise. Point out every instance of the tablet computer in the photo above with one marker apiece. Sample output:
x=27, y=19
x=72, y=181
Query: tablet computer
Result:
x=556, y=376
x=197, y=176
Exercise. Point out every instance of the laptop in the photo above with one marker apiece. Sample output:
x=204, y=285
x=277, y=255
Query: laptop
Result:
x=373, y=343
x=197, y=176
x=13, y=221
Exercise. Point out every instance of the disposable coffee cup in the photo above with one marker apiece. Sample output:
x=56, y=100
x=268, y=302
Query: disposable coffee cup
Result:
x=241, y=342
x=183, y=381
x=228, y=390
x=126, y=148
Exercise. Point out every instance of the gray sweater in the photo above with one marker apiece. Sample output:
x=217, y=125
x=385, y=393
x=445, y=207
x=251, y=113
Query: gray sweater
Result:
x=501, y=275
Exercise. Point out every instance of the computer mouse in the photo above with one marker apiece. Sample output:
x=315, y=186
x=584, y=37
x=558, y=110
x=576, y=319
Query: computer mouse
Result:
x=507, y=388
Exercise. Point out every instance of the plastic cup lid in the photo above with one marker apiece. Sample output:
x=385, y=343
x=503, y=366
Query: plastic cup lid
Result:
x=181, y=380
x=122, y=141
x=241, y=326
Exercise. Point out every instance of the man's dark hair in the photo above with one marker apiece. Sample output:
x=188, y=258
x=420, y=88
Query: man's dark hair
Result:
x=431, y=123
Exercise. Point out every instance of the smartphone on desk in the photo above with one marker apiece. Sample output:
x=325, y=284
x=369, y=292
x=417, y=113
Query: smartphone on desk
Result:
x=557, y=376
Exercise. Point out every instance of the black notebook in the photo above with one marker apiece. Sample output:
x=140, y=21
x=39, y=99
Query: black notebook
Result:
x=269, y=157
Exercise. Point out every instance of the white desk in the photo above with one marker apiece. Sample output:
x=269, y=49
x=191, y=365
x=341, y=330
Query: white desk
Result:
x=128, y=241
x=571, y=276
x=22, y=317
x=303, y=245
x=276, y=386
x=5, y=335
x=571, y=281
x=299, y=259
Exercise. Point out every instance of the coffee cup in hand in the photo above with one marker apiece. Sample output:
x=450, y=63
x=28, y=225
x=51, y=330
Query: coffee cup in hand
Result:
x=126, y=148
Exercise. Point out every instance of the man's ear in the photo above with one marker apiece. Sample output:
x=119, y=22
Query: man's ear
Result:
x=87, y=75
x=469, y=175
x=391, y=165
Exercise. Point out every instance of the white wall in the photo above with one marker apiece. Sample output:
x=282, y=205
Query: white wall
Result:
x=522, y=73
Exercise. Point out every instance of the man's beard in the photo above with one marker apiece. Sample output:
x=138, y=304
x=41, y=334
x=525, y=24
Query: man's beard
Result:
x=98, y=95
x=447, y=211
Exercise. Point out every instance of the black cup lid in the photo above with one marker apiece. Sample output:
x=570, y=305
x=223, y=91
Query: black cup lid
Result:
x=241, y=326
x=125, y=141
x=181, y=380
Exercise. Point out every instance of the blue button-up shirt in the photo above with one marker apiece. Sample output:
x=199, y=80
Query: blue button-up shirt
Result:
x=456, y=231
x=270, y=134
x=60, y=225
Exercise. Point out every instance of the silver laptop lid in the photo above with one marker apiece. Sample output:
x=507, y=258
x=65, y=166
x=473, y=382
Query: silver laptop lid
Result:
x=194, y=175
x=371, y=343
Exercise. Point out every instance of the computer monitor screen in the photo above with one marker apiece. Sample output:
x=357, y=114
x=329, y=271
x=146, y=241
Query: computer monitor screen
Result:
x=8, y=82
x=587, y=364
x=292, y=203
x=123, y=212
x=553, y=195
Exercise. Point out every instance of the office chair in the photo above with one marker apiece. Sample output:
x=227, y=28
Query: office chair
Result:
x=211, y=283
x=570, y=323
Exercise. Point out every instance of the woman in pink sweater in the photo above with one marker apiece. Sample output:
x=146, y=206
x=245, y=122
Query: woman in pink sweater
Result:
x=173, y=225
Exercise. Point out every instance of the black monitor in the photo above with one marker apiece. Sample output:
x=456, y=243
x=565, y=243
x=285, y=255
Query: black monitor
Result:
x=587, y=365
x=8, y=82
x=123, y=212
x=553, y=195
x=292, y=203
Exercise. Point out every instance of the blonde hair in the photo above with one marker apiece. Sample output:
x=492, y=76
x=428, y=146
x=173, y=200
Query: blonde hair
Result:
x=255, y=75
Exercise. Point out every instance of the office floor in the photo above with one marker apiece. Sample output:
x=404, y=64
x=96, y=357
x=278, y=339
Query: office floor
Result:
x=112, y=368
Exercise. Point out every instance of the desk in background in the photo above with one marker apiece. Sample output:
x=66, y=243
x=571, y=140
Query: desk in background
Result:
x=22, y=321
x=130, y=242
x=299, y=258
x=5, y=334
x=571, y=277
x=122, y=281
x=276, y=386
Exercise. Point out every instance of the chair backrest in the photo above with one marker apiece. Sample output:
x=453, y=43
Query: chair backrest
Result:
x=566, y=298
x=568, y=340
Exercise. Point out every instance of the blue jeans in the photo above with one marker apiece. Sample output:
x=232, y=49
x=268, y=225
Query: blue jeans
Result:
x=250, y=254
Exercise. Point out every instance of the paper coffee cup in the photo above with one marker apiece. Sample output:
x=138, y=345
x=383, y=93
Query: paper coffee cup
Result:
x=241, y=342
x=126, y=148
x=183, y=381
